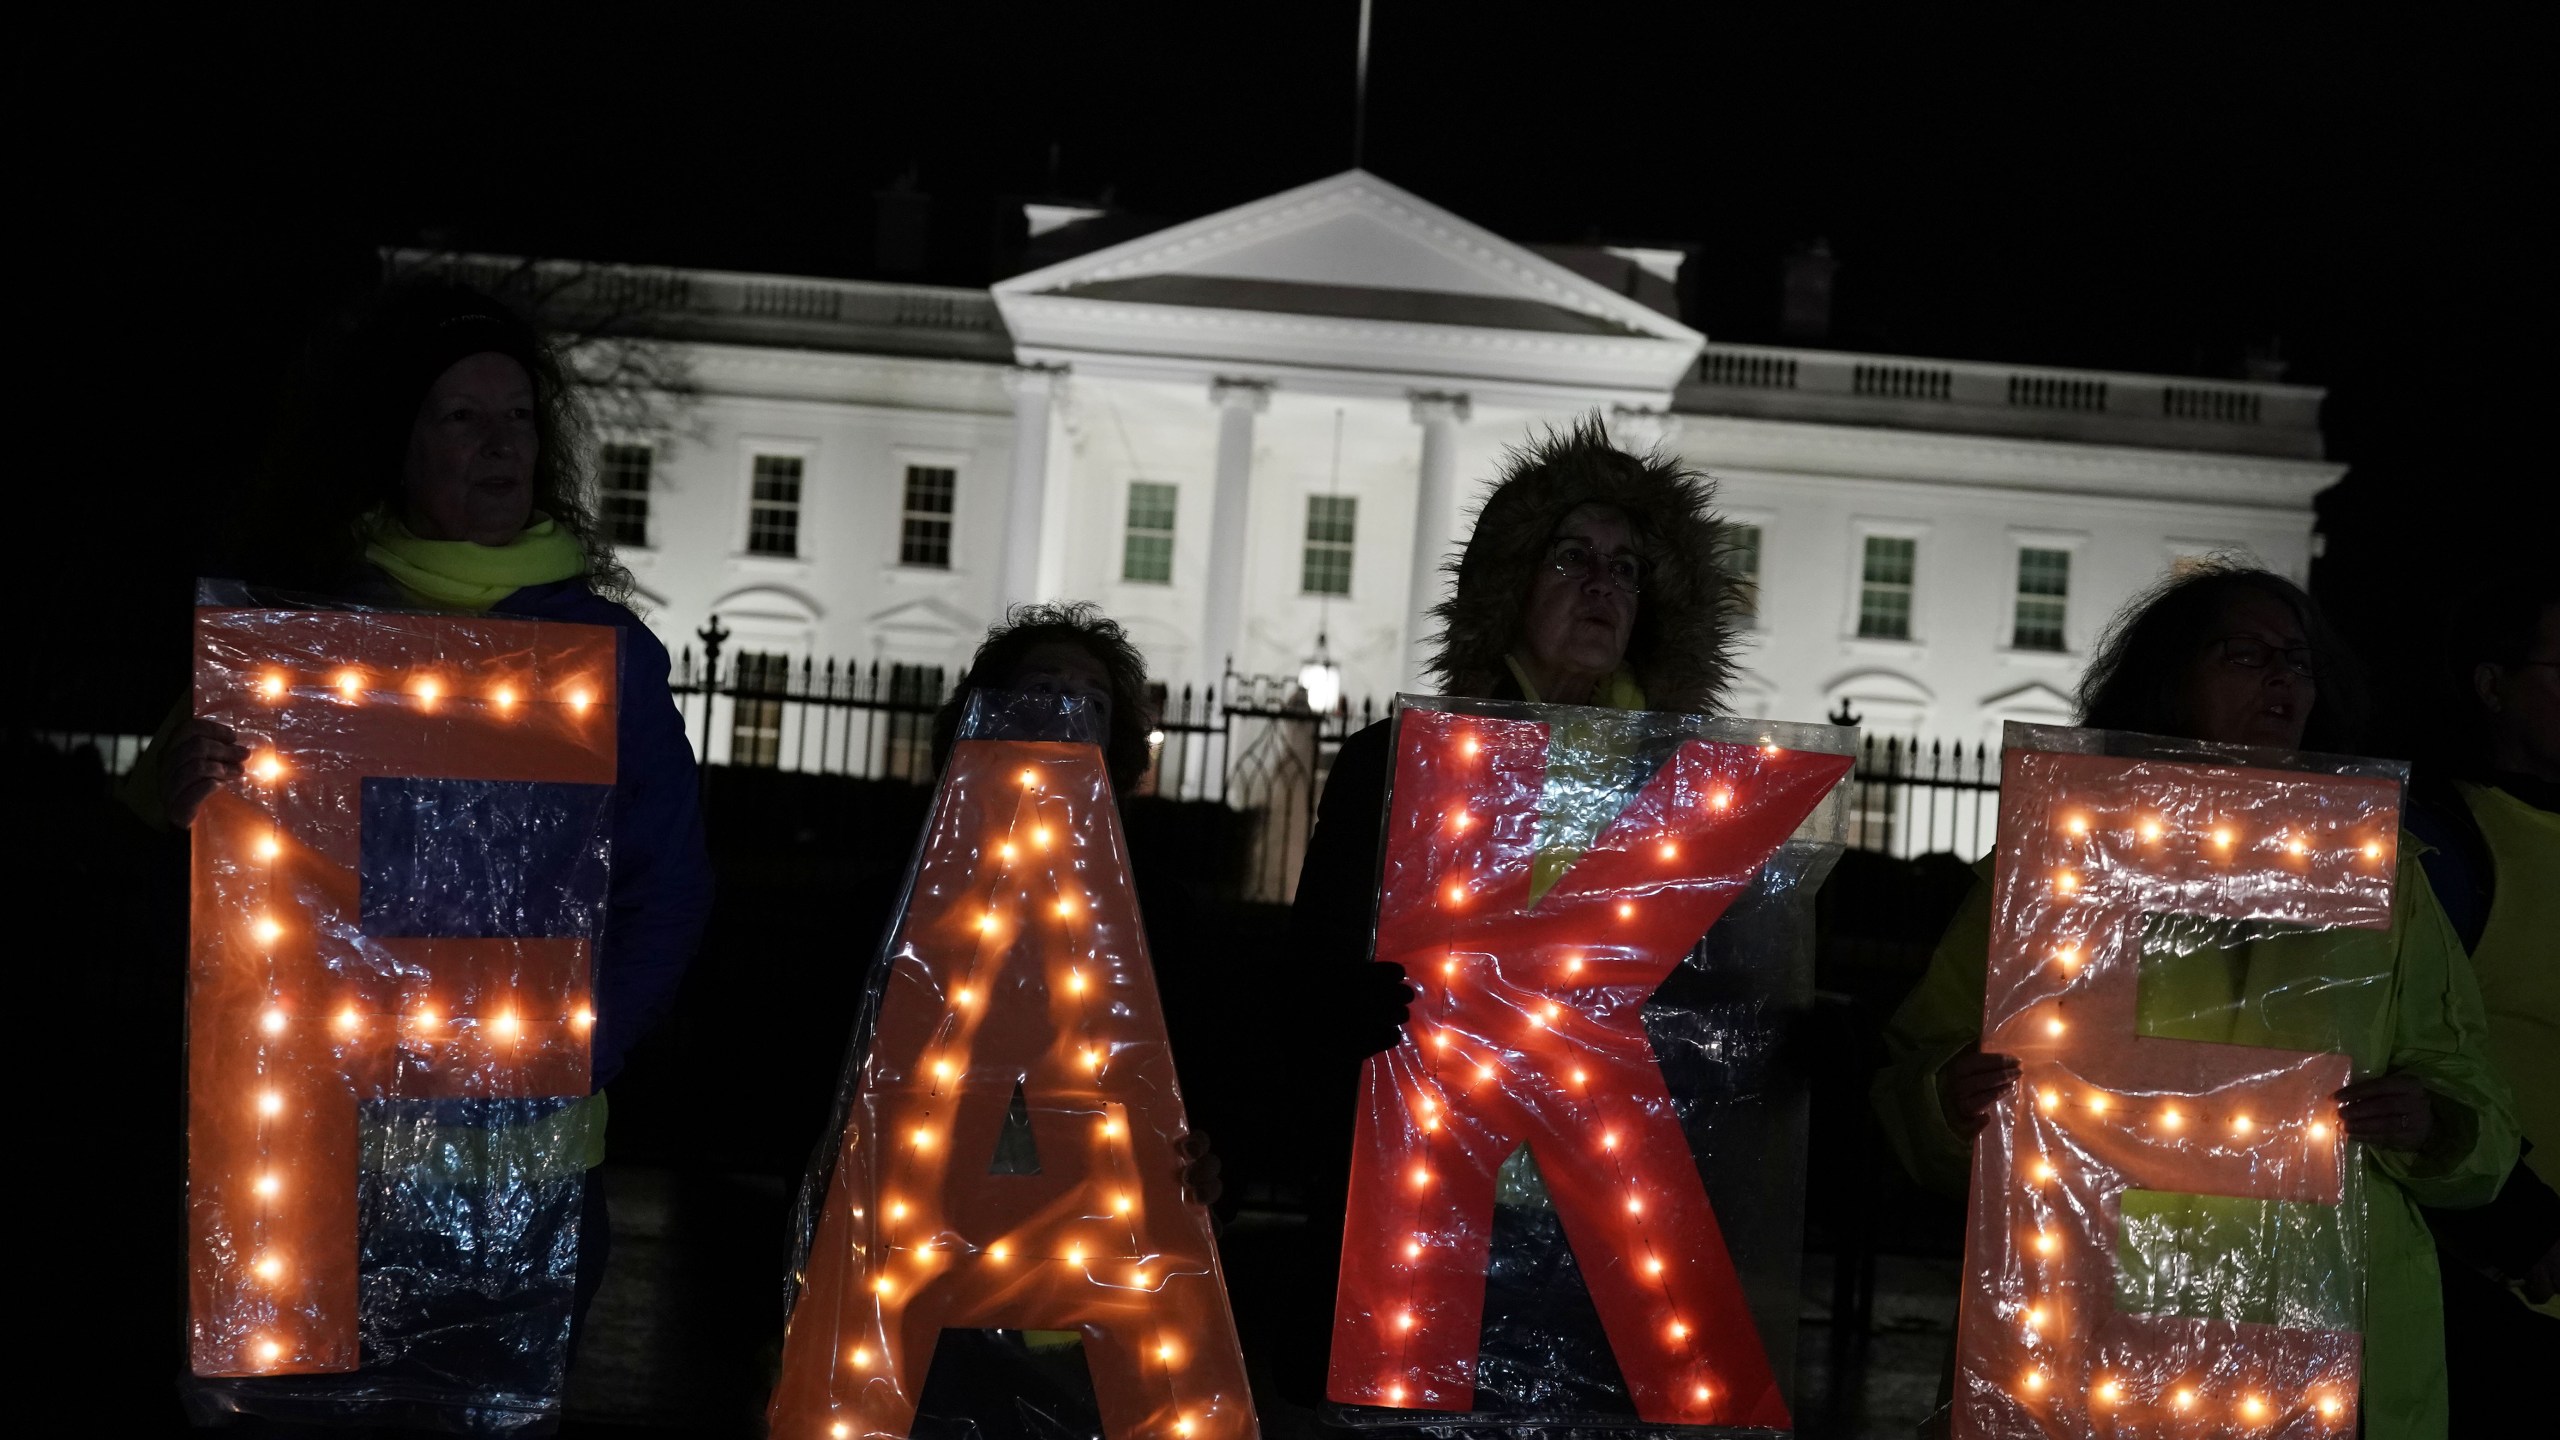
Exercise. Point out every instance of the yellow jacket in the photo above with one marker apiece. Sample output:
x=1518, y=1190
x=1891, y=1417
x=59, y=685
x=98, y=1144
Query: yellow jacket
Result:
x=2405, y=1000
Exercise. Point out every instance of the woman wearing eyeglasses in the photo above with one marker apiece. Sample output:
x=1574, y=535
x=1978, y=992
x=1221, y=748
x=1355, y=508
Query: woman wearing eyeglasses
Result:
x=2231, y=655
x=1592, y=577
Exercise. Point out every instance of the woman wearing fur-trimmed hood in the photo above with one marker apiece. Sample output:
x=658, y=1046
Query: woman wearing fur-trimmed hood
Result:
x=1592, y=577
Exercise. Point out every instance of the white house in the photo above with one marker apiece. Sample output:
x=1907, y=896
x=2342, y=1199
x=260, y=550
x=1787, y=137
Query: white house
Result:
x=1270, y=423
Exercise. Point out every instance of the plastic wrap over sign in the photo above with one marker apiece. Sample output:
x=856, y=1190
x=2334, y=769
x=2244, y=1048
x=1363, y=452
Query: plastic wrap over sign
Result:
x=1009, y=1150
x=394, y=918
x=1576, y=1192
x=2166, y=1235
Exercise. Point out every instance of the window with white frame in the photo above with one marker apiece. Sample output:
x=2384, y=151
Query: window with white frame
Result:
x=622, y=492
x=1743, y=554
x=1884, y=587
x=2043, y=600
x=1146, y=553
x=924, y=520
x=915, y=692
x=757, y=682
x=1332, y=520
x=773, y=506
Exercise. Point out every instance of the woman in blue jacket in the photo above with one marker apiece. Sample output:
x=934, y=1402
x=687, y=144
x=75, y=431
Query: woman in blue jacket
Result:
x=437, y=468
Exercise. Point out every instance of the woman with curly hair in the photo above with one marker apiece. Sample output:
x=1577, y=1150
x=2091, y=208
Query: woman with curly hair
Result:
x=2232, y=656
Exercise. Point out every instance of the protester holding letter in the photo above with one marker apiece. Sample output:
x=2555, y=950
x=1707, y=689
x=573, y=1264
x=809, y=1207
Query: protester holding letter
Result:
x=1592, y=577
x=2234, y=656
x=434, y=464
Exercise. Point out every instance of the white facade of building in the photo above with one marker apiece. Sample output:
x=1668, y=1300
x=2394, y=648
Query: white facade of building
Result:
x=1348, y=340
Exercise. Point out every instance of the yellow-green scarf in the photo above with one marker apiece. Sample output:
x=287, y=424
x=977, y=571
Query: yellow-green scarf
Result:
x=460, y=575
x=1619, y=692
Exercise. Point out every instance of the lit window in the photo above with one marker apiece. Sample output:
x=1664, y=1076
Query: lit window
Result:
x=1884, y=588
x=915, y=693
x=622, y=491
x=924, y=532
x=1331, y=522
x=1147, y=554
x=757, y=683
x=1742, y=555
x=2044, y=593
x=773, y=515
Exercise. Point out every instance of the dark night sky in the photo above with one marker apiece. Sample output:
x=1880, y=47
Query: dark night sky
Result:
x=2136, y=187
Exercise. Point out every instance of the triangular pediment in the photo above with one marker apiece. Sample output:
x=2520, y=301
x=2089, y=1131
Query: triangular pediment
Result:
x=1351, y=246
x=928, y=616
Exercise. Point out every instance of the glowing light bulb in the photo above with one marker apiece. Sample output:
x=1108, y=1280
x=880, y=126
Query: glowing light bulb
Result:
x=583, y=1018
x=2064, y=882
x=1551, y=1012
x=1123, y=1204
x=941, y=1069
x=2109, y=1392
x=2035, y=1315
x=1439, y=1039
x=1768, y=747
x=2254, y=1408
x=273, y=685
x=267, y=768
x=1704, y=1394
x=2185, y=1400
x=1040, y=836
x=2049, y=1099
x=2222, y=836
x=1405, y=1321
x=1573, y=966
x=2329, y=1406
x=1484, y=1072
x=349, y=1020
x=269, y=847
x=1092, y=1058
x=1182, y=1426
x=1653, y=1265
x=1030, y=778
x=504, y=697
x=2372, y=851
x=1075, y=982
x=1413, y=1249
x=1635, y=1204
x=1626, y=911
x=1472, y=748
x=2150, y=830
x=1138, y=1278
x=998, y=1251
x=268, y=931
x=2044, y=1172
x=1448, y=967
x=1429, y=1105
x=426, y=1017
x=897, y=1209
x=2046, y=1244
x=923, y=1138
x=2035, y=1380
x=1460, y=821
x=986, y=922
x=273, y=1021
x=1110, y=1128
x=964, y=996
x=2170, y=1119
x=1456, y=893
x=269, y=1268
x=1421, y=1177
x=269, y=1352
x=1670, y=851
x=882, y=1286
x=1581, y=1077
x=1679, y=1330
x=2069, y=955
x=2098, y=1103
x=1395, y=1394
x=1075, y=1254
x=1066, y=907
x=2053, y=1025
x=841, y=1430
x=1720, y=798
x=1005, y=850
x=1608, y=1139
x=270, y=1103
x=579, y=700
x=2296, y=847
x=506, y=1026
x=2242, y=1125
x=2319, y=1129
x=1164, y=1352
x=267, y=1185
x=2077, y=825
x=429, y=690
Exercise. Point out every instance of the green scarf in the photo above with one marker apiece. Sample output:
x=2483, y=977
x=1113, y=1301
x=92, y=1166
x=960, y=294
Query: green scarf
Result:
x=1619, y=692
x=1587, y=778
x=461, y=575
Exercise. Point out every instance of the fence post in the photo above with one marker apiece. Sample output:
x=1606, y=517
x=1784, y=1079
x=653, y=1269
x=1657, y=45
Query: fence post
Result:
x=713, y=635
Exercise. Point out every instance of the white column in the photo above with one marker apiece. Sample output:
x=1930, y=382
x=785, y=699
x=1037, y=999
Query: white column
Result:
x=1435, y=524
x=1019, y=582
x=1230, y=507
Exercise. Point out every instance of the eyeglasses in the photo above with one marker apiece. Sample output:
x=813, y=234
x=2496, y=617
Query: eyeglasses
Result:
x=2251, y=653
x=1574, y=559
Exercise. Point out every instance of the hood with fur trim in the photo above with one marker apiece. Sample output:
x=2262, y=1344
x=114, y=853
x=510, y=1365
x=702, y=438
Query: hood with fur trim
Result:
x=1681, y=651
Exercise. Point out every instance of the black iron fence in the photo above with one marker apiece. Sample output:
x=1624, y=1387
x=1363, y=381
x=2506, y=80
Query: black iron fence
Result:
x=1251, y=746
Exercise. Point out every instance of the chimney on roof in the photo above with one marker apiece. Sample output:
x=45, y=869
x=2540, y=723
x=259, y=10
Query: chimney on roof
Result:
x=1804, y=308
x=904, y=223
